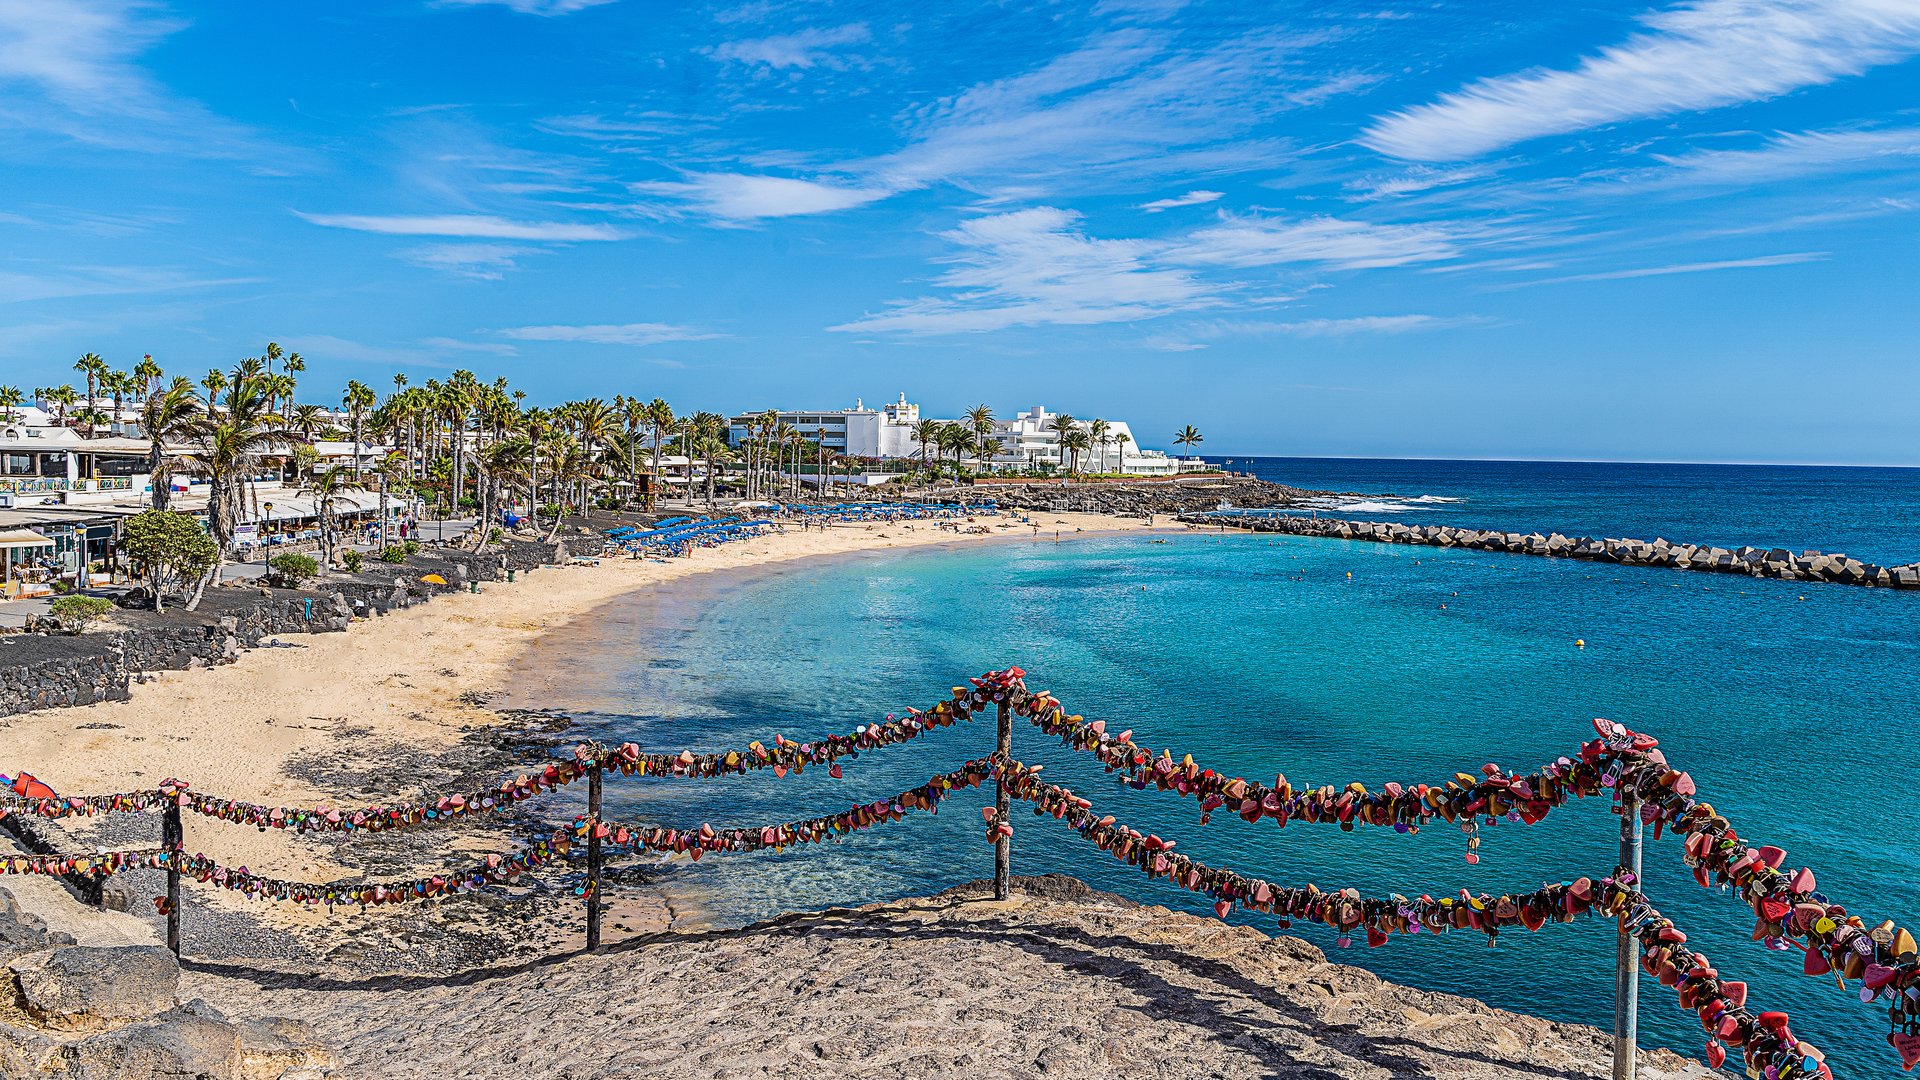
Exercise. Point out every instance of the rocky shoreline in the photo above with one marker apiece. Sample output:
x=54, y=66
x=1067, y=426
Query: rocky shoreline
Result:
x=1753, y=562
x=1132, y=500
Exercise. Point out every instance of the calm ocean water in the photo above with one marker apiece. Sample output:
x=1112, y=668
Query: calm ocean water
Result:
x=1792, y=705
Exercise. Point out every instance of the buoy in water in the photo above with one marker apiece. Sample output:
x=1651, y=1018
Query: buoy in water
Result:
x=1349, y=575
x=1579, y=643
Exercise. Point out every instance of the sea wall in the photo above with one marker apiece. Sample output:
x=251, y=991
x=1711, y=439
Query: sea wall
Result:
x=46, y=671
x=1754, y=562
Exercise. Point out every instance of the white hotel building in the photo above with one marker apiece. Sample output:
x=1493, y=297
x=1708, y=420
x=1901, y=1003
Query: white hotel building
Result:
x=1025, y=441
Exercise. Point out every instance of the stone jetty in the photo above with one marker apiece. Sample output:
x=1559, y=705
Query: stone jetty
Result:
x=1751, y=561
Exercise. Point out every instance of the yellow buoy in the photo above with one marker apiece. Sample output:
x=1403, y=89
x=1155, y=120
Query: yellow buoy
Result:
x=1349, y=575
x=1579, y=643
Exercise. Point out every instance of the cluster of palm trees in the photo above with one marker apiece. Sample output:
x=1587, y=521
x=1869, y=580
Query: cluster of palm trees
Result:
x=972, y=436
x=74, y=408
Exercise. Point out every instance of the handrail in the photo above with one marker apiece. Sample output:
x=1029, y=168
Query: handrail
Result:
x=1624, y=765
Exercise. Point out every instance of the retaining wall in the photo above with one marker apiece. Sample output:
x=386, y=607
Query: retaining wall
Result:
x=45, y=671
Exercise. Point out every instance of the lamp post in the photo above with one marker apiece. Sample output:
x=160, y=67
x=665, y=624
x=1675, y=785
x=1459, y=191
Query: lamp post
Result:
x=266, y=534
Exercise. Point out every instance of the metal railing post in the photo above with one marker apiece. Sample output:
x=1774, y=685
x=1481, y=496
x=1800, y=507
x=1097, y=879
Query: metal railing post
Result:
x=593, y=857
x=1003, y=847
x=173, y=838
x=1626, y=987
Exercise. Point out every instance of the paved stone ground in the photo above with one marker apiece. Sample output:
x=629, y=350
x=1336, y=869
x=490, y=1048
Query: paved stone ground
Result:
x=1060, y=982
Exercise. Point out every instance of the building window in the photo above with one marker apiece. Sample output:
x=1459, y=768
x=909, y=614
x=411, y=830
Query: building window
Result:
x=16, y=464
x=117, y=465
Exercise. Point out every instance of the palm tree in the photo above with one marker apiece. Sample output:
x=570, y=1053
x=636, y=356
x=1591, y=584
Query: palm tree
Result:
x=660, y=418
x=537, y=425
x=981, y=419
x=357, y=400
x=1120, y=441
x=326, y=487
x=292, y=366
x=798, y=444
x=308, y=421
x=169, y=415
x=706, y=430
x=1189, y=437
x=1074, y=442
x=119, y=384
x=91, y=417
x=63, y=398
x=10, y=399
x=1097, y=437
x=149, y=374
x=230, y=447
x=394, y=470
x=1060, y=425
x=214, y=382
x=926, y=433
x=633, y=418
x=93, y=366
x=956, y=437
x=503, y=463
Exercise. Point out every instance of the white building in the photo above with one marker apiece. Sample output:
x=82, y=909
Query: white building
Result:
x=1031, y=439
x=886, y=432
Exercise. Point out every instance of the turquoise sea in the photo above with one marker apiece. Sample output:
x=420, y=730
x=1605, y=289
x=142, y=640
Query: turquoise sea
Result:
x=1792, y=705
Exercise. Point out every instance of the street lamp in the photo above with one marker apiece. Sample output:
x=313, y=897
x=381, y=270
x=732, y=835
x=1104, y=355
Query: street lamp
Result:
x=266, y=534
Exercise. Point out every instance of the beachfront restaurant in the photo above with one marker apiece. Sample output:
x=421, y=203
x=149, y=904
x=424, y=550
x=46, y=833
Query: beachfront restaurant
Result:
x=72, y=539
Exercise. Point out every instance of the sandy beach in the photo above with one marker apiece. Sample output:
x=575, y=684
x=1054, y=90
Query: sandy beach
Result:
x=324, y=719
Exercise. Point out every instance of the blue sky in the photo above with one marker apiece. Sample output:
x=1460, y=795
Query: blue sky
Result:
x=1485, y=230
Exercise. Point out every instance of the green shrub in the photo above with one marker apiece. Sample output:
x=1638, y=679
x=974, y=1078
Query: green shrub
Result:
x=291, y=569
x=75, y=612
x=351, y=559
x=411, y=546
x=393, y=553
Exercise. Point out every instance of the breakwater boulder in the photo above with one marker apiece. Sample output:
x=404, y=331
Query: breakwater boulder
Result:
x=1754, y=562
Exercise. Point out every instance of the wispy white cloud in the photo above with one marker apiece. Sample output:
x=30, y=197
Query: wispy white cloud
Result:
x=494, y=348
x=1124, y=106
x=477, y=226
x=1191, y=198
x=1794, y=154
x=1039, y=267
x=609, y=334
x=528, y=7
x=484, y=262
x=76, y=281
x=812, y=47
x=1166, y=343
x=1411, y=181
x=1336, y=242
x=1788, y=259
x=72, y=68
x=742, y=197
x=1700, y=55
x=1363, y=324
x=331, y=348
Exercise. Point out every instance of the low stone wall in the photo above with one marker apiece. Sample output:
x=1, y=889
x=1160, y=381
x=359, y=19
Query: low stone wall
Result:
x=1754, y=562
x=39, y=671
x=528, y=554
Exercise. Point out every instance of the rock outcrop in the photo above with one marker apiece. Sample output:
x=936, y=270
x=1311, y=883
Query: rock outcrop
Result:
x=1060, y=982
x=76, y=1012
